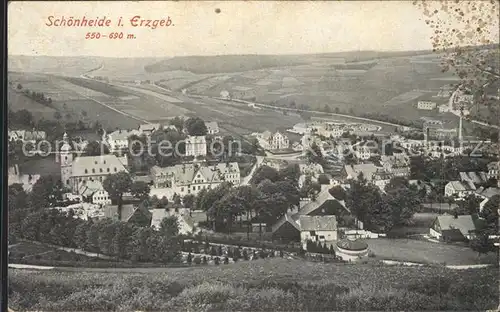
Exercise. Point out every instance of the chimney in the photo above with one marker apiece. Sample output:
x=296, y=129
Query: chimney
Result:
x=16, y=169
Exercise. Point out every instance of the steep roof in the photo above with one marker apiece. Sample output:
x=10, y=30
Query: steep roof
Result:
x=128, y=210
x=212, y=125
x=185, y=173
x=368, y=170
x=149, y=127
x=318, y=223
x=122, y=135
x=464, y=223
x=462, y=186
x=83, y=166
x=87, y=188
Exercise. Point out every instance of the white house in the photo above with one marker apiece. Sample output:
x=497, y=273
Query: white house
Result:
x=148, y=129
x=426, y=105
x=212, y=127
x=318, y=229
x=118, y=140
x=275, y=141
x=101, y=198
x=362, y=152
x=444, y=108
x=225, y=95
x=459, y=189
x=493, y=169
x=311, y=169
x=192, y=178
x=196, y=146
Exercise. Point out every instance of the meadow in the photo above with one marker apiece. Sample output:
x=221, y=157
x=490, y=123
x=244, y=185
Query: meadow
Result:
x=260, y=285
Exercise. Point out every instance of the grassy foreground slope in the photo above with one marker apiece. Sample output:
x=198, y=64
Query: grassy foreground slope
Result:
x=261, y=285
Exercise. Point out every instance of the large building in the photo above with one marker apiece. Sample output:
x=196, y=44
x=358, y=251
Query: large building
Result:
x=87, y=168
x=276, y=141
x=426, y=105
x=196, y=146
x=398, y=165
x=192, y=178
x=459, y=189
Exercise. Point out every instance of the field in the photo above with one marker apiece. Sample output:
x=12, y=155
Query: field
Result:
x=422, y=251
x=18, y=101
x=260, y=285
x=38, y=253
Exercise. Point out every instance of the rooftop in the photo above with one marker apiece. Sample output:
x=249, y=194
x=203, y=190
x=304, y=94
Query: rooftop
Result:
x=318, y=223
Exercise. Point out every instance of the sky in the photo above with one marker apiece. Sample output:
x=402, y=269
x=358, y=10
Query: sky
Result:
x=259, y=27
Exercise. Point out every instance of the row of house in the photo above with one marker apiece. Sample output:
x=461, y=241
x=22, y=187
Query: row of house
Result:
x=191, y=178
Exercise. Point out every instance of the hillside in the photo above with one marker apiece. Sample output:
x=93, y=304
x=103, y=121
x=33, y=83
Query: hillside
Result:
x=241, y=63
x=258, y=285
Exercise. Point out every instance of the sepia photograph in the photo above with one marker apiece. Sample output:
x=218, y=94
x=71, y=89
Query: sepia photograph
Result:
x=253, y=155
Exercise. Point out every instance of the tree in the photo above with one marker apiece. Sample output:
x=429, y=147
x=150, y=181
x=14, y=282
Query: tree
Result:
x=490, y=214
x=57, y=115
x=195, y=126
x=116, y=184
x=95, y=148
x=163, y=202
x=169, y=227
x=19, y=86
x=338, y=192
x=482, y=244
x=265, y=172
x=188, y=200
x=290, y=173
x=140, y=190
x=314, y=154
x=178, y=122
x=46, y=192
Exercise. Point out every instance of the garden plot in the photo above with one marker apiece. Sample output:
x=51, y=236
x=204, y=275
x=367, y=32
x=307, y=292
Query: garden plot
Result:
x=17, y=101
x=64, y=84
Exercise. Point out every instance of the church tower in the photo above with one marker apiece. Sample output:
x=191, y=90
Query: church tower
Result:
x=66, y=160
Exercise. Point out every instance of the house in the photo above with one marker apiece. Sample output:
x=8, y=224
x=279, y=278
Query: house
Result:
x=276, y=141
x=444, y=108
x=368, y=171
x=311, y=169
x=87, y=168
x=196, y=146
x=212, y=127
x=362, y=152
x=493, y=170
x=317, y=229
x=477, y=178
x=191, y=178
x=303, y=177
x=129, y=213
x=486, y=195
x=187, y=219
x=148, y=129
x=118, y=140
x=288, y=227
x=453, y=228
x=225, y=95
x=397, y=164
x=459, y=189
x=94, y=192
x=26, y=136
x=26, y=180
x=426, y=105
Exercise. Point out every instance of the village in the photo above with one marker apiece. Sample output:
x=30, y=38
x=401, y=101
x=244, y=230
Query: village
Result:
x=336, y=189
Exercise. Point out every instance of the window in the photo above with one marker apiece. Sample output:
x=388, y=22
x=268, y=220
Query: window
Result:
x=116, y=169
x=95, y=162
x=100, y=169
x=65, y=157
x=194, y=187
x=321, y=237
x=93, y=170
x=67, y=181
x=104, y=161
x=86, y=171
x=182, y=189
x=199, y=187
x=107, y=170
x=312, y=233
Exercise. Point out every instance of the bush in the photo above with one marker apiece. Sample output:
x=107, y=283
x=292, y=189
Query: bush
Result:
x=371, y=254
x=197, y=260
x=38, y=257
x=216, y=260
x=204, y=260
